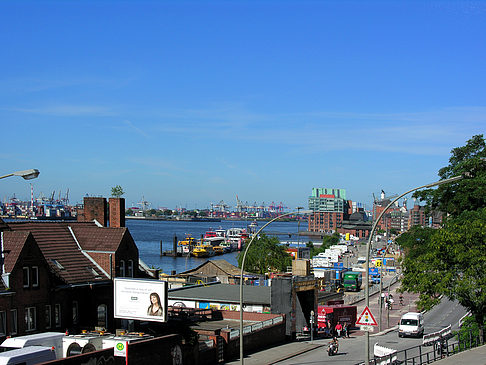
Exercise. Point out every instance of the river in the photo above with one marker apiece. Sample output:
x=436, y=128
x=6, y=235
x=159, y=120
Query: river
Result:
x=148, y=234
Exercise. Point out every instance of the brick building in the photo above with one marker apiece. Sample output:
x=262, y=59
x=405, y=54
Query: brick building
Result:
x=332, y=212
x=57, y=276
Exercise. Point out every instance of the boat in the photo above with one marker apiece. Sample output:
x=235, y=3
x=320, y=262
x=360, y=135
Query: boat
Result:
x=219, y=250
x=253, y=227
x=186, y=246
x=216, y=237
x=203, y=250
x=235, y=238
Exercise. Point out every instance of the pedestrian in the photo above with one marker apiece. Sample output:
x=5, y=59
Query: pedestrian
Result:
x=345, y=330
x=338, y=329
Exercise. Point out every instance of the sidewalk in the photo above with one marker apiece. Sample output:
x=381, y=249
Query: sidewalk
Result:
x=389, y=318
x=286, y=351
x=278, y=353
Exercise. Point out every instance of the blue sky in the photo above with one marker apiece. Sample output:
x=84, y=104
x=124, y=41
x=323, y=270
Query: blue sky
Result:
x=188, y=103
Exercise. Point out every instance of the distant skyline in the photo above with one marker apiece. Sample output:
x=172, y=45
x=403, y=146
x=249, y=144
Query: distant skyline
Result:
x=187, y=103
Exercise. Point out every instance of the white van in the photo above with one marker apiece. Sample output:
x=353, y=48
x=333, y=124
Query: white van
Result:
x=411, y=324
x=49, y=339
x=30, y=355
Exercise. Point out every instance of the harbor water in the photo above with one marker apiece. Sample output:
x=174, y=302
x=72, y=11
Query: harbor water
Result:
x=147, y=234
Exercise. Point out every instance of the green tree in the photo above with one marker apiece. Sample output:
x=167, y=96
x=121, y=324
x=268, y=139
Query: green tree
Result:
x=117, y=191
x=466, y=194
x=264, y=255
x=451, y=261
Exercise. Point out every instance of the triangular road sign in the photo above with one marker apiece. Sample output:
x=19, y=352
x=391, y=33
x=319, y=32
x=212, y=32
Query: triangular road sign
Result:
x=366, y=318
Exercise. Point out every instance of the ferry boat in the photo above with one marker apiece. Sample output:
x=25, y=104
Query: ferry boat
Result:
x=235, y=238
x=187, y=245
x=203, y=250
x=219, y=250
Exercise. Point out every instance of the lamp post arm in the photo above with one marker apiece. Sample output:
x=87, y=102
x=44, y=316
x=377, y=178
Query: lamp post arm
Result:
x=241, y=276
x=4, y=176
x=368, y=245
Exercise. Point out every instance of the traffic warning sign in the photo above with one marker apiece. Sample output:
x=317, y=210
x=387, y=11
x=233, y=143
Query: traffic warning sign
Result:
x=366, y=318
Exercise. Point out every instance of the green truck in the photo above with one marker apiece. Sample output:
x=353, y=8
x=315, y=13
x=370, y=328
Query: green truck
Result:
x=352, y=280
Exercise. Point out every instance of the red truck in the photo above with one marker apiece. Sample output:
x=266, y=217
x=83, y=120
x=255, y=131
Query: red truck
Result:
x=329, y=315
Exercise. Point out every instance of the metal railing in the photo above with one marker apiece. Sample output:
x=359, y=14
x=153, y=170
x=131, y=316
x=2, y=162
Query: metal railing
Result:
x=429, y=352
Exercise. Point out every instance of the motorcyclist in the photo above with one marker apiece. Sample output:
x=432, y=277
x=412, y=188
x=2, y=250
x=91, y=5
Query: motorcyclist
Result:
x=334, y=342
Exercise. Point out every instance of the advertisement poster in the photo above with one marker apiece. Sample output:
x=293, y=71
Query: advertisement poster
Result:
x=140, y=299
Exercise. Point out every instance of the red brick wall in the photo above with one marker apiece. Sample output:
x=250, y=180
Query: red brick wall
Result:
x=117, y=212
x=95, y=208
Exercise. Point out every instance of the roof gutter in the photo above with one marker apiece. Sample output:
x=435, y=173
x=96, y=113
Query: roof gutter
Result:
x=90, y=284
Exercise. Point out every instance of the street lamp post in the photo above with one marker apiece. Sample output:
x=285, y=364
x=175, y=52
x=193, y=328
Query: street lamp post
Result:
x=26, y=174
x=242, y=268
x=368, y=245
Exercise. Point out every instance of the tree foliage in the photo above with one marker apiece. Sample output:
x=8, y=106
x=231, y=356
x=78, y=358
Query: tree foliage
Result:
x=451, y=261
x=265, y=255
x=117, y=191
x=466, y=194
x=327, y=242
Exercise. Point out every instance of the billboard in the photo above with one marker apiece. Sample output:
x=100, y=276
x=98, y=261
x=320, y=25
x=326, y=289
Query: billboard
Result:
x=140, y=299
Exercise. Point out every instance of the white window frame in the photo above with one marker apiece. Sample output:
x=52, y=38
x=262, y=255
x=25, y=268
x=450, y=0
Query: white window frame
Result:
x=75, y=312
x=122, y=268
x=13, y=321
x=30, y=319
x=26, y=276
x=3, y=323
x=35, y=276
x=57, y=315
x=48, y=316
x=104, y=309
x=130, y=269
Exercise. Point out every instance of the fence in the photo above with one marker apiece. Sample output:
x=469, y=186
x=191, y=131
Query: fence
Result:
x=430, y=351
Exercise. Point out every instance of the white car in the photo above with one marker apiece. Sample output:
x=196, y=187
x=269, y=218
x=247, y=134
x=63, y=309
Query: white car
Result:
x=411, y=324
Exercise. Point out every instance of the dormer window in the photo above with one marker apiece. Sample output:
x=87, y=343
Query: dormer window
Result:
x=92, y=271
x=58, y=264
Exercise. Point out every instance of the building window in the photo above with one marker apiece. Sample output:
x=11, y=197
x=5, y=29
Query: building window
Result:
x=47, y=314
x=57, y=315
x=3, y=323
x=13, y=321
x=26, y=279
x=30, y=319
x=102, y=315
x=75, y=312
x=122, y=268
x=35, y=276
x=130, y=269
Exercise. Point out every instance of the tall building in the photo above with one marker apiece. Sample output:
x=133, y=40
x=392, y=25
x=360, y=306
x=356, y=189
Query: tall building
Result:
x=329, y=208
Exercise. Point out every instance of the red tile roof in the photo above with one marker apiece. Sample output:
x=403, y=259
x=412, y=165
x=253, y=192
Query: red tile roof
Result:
x=13, y=243
x=98, y=238
x=61, y=250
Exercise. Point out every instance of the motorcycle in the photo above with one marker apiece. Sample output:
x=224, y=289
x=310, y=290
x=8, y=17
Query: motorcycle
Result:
x=332, y=349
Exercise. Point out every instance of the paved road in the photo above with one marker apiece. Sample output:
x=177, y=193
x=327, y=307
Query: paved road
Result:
x=352, y=350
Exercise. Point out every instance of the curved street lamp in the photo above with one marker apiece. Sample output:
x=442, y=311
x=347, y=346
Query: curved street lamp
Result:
x=26, y=174
x=368, y=245
x=243, y=265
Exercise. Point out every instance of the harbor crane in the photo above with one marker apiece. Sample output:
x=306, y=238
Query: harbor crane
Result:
x=143, y=204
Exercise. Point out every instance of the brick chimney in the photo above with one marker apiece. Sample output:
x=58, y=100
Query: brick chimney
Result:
x=94, y=208
x=117, y=212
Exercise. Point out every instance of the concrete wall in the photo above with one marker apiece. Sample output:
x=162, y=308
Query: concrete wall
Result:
x=281, y=301
x=160, y=350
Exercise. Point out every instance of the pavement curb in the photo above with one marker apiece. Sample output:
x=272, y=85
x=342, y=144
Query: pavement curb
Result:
x=384, y=332
x=297, y=353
